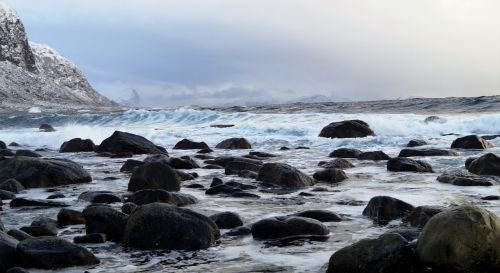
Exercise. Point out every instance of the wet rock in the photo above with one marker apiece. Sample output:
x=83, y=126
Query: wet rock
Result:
x=104, y=197
x=8, y=253
x=101, y=219
x=320, y=215
x=205, y=151
x=490, y=137
x=41, y=227
x=94, y=238
x=284, y=148
x=426, y=152
x=213, y=167
x=242, y=194
x=226, y=220
x=169, y=228
x=374, y=155
x=27, y=153
x=234, y=143
x=339, y=163
x=129, y=207
x=19, y=234
x=67, y=217
x=248, y=174
x=471, y=142
x=76, y=145
x=183, y=163
x=422, y=214
x=23, y=202
x=383, y=209
x=403, y=164
x=7, y=152
x=465, y=178
x=195, y=186
x=12, y=185
x=17, y=270
x=262, y=154
x=221, y=125
x=239, y=231
x=222, y=189
x=491, y=197
x=216, y=182
x=345, y=153
x=284, y=175
x=187, y=144
x=331, y=175
x=431, y=119
x=154, y=175
x=347, y=129
x=122, y=155
x=126, y=142
x=6, y=195
x=224, y=160
x=488, y=164
x=151, y=196
x=2, y=145
x=389, y=253
x=416, y=143
x=302, y=148
x=237, y=167
x=43, y=172
x=12, y=144
x=45, y=127
x=53, y=253
x=280, y=227
x=463, y=239
x=56, y=196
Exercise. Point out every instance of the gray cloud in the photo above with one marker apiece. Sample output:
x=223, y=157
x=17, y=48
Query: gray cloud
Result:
x=193, y=52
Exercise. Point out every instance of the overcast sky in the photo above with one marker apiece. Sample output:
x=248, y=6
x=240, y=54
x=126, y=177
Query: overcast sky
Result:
x=188, y=52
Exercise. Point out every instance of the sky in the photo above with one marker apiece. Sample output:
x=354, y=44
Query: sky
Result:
x=237, y=52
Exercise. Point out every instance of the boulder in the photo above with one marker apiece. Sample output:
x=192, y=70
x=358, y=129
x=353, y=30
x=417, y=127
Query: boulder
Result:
x=426, y=152
x=388, y=253
x=471, y=142
x=403, y=164
x=416, y=143
x=19, y=234
x=67, y=217
x=433, y=119
x=76, y=145
x=155, y=175
x=330, y=175
x=205, y=151
x=237, y=167
x=463, y=239
x=383, y=209
x=129, y=207
x=2, y=145
x=101, y=219
x=234, y=143
x=27, y=153
x=183, y=163
x=6, y=195
x=120, y=142
x=261, y=154
x=320, y=215
x=94, y=238
x=130, y=164
x=43, y=172
x=169, y=228
x=23, y=202
x=345, y=153
x=103, y=197
x=17, y=270
x=288, y=226
x=226, y=220
x=41, y=227
x=465, y=178
x=7, y=152
x=45, y=127
x=284, y=175
x=187, y=144
x=347, y=129
x=488, y=164
x=53, y=253
x=8, y=254
x=374, y=155
x=338, y=163
x=149, y=196
x=421, y=215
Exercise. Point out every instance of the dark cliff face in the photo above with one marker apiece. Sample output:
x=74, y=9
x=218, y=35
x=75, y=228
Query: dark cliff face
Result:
x=14, y=46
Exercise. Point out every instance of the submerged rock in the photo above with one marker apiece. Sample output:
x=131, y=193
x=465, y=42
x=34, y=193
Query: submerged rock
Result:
x=104, y=197
x=403, y=164
x=471, y=142
x=464, y=178
x=347, y=129
x=187, y=144
x=23, y=202
x=234, y=143
x=169, y=228
x=383, y=209
x=426, y=152
x=120, y=142
x=488, y=164
x=43, y=172
x=155, y=175
x=463, y=239
x=94, y=238
x=284, y=175
x=281, y=227
x=416, y=143
x=320, y=215
x=345, y=153
x=45, y=127
x=76, y=145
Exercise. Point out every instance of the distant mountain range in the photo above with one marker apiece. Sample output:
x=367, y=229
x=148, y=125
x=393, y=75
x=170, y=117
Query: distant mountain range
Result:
x=35, y=75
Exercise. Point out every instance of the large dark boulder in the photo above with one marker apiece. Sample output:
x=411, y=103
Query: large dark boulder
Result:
x=330, y=175
x=155, y=175
x=227, y=219
x=471, y=142
x=388, y=253
x=42, y=226
x=187, y=144
x=416, y=143
x=103, y=197
x=345, y=153
x=12, y=185
x=284, y=175
x=338, y=163
x=421, y=215
x=238, y=167
x=102, y=219
x=403, y=164
x=184, y=162
x=76, y=145
x=8, y=253
x=2, y=145
x=383, y=209
x=149, y=196
x=27, y=153
x=465, y=178
x=169, y=228
x=287, y=226
x=53, y=253
x=130, y=164
x=67, y=217
x=224, y=160
x=461, y=239
x=120, y=142
x=320, y=215
x=234, y=143
x=347, y=129
x=426, y=152
x=43, y=172
x=374, y=155
x=488, y=164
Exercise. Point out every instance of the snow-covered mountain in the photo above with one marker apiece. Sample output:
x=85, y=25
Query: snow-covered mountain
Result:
x=35, y=75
